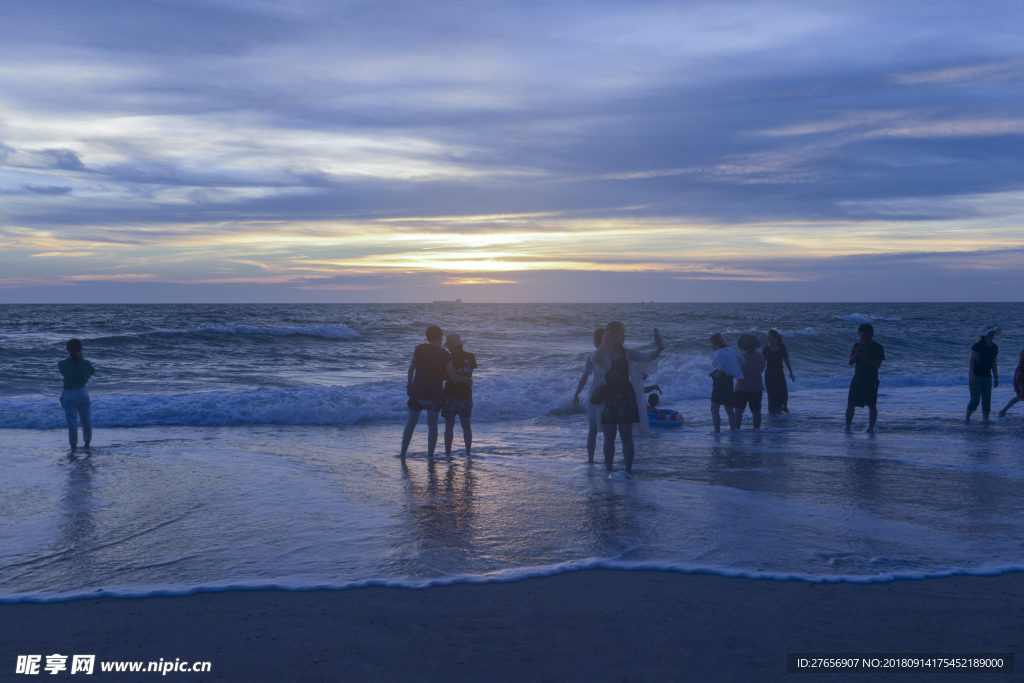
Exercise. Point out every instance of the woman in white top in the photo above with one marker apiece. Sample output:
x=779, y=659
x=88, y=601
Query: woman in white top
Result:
x=727, y=365
x=621, y=371
x=593, y=409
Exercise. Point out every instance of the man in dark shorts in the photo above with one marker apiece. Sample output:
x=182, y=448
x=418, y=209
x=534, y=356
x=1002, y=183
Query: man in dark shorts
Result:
x=430, y=365
x=868, y=355
x=458, y=396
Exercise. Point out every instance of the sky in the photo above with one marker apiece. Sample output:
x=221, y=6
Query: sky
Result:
x=558, y=151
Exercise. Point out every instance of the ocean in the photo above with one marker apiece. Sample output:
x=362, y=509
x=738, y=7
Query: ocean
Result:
x=250, y=446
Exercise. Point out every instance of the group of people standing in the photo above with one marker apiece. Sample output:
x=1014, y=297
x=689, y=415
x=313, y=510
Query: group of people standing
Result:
x=440, y=381
x=867, y=355
x=754, y=373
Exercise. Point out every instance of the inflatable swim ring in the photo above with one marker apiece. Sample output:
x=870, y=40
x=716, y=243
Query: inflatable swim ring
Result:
x=665, y=418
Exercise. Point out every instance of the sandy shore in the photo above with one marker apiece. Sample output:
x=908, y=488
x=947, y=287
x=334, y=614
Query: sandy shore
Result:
x=582, y=626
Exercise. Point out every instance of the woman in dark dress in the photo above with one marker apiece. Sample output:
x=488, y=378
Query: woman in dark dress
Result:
x=621, y=370
x=775, y=354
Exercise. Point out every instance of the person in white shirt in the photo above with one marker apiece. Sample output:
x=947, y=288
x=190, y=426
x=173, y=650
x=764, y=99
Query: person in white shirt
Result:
x=593, y=409
x=727, y=364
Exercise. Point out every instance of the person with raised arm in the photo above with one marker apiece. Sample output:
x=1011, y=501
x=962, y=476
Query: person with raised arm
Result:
x=867, y=355
x=983, y=372
x=727, y=366
x=74, y=399
x=775, y=354
x=593, y=409
x=425, y=388
x=621, y=371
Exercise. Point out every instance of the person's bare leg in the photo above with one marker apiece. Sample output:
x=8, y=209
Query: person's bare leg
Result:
x=850, y=408
x=431, y=433
x=872, y=416
x=757, y=419
x=968, y=418
x=591, y=443
x=449, y=434
x=734, y=422
x=716, y=417
x=739, y=417
x=626, y=433
x=85, y=412
x=609, y=445
x=984, y=415
x=1013, y=402
x=467, y=432
x=410, y=425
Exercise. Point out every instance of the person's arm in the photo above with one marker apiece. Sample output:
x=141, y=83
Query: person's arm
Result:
x=456, y=377
x=995, y=374
x=582, y=383
x=659, y=342
x=873, y=362
x=855, y=354
x=653, y=387
x=412, y=371
x=603, y=349
x=970, y=366
x=790, y=368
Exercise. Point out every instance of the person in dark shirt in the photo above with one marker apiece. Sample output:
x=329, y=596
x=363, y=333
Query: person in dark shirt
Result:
x=458, y=396
x=430, y=363
x=775, y=354
x=983, y=372
x=867, y=355
x=75, y=397
x=749, y=390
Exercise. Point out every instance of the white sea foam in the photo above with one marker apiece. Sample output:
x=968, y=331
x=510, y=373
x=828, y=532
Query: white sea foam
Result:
x=505, y=576
x=519, y=396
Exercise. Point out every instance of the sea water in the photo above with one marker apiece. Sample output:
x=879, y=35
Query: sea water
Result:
x=255, y=446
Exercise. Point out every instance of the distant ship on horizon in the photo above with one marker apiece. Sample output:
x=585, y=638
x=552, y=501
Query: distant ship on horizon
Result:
x=457, y=301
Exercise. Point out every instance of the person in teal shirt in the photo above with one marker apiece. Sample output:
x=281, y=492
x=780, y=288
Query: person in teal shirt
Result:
x=75, y=398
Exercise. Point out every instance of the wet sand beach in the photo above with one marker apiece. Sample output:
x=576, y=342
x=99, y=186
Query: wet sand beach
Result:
x=593, y=625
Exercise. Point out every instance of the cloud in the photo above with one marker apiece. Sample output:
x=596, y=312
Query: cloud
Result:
x=240, y=130
x=59, y=159
x=48, y=189
x=997, y=72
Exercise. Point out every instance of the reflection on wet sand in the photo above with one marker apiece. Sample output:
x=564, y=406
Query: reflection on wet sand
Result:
x=439, y=508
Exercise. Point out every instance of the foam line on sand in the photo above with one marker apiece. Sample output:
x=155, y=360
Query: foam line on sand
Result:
x=590, y=625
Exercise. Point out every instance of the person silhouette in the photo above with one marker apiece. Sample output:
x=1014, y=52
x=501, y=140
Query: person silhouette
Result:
x=74, y=399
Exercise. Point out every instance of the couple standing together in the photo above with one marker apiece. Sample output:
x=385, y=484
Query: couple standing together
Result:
x=747, y=369
x=440, y=381
x=614, y=400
